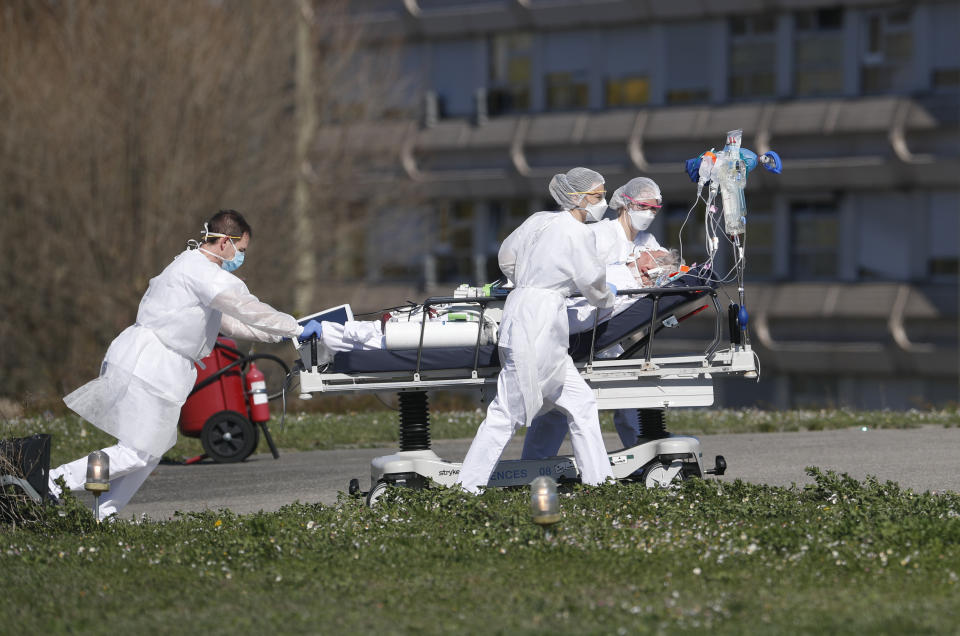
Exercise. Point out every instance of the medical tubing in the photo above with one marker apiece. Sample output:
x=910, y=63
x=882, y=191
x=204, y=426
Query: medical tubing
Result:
x=242, y=359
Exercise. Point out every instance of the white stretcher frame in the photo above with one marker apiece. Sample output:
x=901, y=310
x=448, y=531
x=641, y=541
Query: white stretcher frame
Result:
x=647, y=382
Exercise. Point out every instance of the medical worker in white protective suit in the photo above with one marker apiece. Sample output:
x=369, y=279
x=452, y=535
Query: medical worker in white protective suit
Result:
x=620, y=240
x=148, y=371
x=549, y=257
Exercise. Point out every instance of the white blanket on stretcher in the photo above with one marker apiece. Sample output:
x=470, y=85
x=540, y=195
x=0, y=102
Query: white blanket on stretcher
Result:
x=367, y=335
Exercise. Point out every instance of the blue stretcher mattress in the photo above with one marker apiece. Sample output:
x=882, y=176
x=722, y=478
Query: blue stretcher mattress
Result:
x=629, y=321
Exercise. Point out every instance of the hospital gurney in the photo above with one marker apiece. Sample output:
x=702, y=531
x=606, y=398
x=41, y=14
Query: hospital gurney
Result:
x=635, y=379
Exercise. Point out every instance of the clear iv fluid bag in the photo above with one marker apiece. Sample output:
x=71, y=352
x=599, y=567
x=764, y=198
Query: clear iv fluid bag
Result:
x=732, y=173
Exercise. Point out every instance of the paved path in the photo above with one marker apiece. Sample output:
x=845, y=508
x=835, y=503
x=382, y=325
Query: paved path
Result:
x=922, y=459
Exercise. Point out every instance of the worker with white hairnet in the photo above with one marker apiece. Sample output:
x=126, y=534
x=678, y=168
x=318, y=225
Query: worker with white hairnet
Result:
x=619, y=240
x=148, y=371
x=636, y=203
x=549, y=257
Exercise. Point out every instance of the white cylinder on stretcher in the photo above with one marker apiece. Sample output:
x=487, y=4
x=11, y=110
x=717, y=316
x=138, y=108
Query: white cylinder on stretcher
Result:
x=406, y=335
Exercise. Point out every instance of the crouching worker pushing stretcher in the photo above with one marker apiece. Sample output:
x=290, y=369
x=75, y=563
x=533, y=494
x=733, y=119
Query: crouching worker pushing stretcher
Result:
x=148, y=371
x=549, y=257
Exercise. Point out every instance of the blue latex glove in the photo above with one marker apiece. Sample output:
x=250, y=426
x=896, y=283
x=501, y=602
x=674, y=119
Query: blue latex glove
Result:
x=748, y=157
x=771, y=161
x=613, y=288
x=693, y=168
x=312, y=328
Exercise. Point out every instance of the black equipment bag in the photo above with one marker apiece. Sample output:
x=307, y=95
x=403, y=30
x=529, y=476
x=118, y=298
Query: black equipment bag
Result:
x=28, y=458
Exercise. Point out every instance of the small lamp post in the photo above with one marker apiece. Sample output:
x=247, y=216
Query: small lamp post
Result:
x=544, y=503
x=98, y=478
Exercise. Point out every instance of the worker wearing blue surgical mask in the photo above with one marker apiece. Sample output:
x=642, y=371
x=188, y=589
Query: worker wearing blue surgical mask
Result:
x=148, y=370
x=218, y=246
x=549, y=257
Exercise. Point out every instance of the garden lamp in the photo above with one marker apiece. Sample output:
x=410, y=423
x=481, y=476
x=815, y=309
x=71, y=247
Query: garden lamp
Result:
x=98, y=477
x=544, y=503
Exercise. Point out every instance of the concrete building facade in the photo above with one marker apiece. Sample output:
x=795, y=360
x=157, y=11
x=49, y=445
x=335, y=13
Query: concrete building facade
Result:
x=852, y=258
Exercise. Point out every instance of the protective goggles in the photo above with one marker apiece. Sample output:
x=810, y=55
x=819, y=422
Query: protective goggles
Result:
x=598, y=193
x=208, y=234
x=643, y=206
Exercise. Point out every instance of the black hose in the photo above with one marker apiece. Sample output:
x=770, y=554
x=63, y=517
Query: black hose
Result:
x=242, y=361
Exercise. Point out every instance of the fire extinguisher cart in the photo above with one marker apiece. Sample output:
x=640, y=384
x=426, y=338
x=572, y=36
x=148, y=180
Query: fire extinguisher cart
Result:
x=228, y=407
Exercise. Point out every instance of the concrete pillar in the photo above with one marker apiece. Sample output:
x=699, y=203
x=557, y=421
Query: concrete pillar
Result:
x=658, y=48
x=719, y=61
x=781, y=236
x=847, y=243
x=852, y=37
x=785, y=54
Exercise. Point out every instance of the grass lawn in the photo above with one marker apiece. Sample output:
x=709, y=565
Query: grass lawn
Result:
x=838, y=556
x=73, y=438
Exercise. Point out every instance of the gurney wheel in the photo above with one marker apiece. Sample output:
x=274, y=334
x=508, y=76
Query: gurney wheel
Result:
x=229, y=437
x=375, y=493
x=354, y=488
x=656, y=473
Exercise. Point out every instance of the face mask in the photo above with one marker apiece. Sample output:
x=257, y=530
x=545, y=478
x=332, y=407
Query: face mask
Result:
x=234, y=263
x=641, y=220
x=596, y=211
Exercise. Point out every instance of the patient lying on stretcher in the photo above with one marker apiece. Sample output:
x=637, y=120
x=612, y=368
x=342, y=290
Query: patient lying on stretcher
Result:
x=646, y=269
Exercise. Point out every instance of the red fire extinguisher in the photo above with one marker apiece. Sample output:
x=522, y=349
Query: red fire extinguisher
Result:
x=257, y=390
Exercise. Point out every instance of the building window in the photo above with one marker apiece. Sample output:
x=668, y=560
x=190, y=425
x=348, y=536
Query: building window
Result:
x=946, y=78
x=940, y=41
x=887, y=51
x=942, y=250
x=814, y=240
x=628, y=91
x=686, y=75
x=818, y=52
x=567, y=90
x=753, y=56
x=453, y=249
x=688, y=96
x=760, y=237
x=510, y=73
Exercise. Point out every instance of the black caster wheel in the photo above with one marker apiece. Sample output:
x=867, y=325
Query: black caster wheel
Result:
x=354, y=488
x=229, y=437
x=720, y=466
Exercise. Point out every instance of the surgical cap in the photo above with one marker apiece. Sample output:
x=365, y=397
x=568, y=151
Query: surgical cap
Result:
x=576, y=180
x=639, y=189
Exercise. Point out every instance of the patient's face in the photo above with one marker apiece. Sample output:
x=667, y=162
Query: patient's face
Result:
x=642, y=279
x=648, y=260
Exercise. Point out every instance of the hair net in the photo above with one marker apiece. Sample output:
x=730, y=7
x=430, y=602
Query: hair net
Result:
x=638, y=189
x=576, y=180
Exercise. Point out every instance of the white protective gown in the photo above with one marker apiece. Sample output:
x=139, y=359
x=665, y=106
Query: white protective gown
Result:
x=613, y=244
x=148, y=371
x=546, y=434
x=550, y=256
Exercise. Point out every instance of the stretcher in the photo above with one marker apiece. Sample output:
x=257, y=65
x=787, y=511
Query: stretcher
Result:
x=635, y=379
